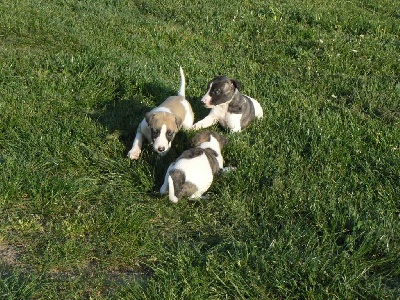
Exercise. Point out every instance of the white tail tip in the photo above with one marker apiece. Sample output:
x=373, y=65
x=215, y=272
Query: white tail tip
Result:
x=183, y=83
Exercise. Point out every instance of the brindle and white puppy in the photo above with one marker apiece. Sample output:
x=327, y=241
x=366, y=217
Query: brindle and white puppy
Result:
x=161, y=124
x=229, y=107
x=192, y=173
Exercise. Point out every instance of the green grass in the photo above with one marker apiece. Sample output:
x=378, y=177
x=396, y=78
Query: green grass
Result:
x=313, y=210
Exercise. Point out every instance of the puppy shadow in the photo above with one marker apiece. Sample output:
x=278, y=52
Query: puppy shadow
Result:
x=200, y=112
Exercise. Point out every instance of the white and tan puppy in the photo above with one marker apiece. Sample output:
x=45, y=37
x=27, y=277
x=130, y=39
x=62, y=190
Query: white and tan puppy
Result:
x=229, y=107
x=161, y=124
x=193, y=172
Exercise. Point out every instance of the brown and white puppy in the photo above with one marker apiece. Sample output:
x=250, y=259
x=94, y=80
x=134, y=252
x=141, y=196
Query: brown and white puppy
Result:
x=192, y=173
x=229, y=107
x=161, y=124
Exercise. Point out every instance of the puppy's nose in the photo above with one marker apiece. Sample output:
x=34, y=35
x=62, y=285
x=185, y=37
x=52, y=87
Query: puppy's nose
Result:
x=161, y=149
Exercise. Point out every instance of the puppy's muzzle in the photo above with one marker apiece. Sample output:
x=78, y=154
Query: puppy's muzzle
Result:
x=161, y=150
x=206, y=101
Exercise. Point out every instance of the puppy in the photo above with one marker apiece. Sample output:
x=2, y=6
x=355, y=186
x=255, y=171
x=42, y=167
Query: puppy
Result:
x=192, y=173
x=229, y=107
x=161, y=124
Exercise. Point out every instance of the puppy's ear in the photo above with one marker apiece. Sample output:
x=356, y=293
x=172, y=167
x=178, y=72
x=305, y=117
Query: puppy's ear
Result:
x=194, y=141
x=178, y=121
x=149, y=116
x=236, y=84
x=200, y=137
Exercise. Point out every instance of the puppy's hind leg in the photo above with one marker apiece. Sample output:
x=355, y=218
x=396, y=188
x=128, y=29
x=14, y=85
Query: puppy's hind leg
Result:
x=258, y=111
x=189, y=189
x=178, y=187
x=164, y=187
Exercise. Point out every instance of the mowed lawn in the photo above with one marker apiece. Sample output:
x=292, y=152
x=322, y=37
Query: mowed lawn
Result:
x=313, y=208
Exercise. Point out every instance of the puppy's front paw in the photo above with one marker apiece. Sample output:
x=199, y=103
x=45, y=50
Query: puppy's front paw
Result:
x=196, y=126
x=134, y=153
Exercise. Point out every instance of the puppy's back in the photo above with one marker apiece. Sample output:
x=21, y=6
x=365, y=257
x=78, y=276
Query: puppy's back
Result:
x=178, y=105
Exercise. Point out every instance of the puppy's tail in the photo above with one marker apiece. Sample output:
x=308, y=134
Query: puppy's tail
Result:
x=171, y=189
x=183, y=83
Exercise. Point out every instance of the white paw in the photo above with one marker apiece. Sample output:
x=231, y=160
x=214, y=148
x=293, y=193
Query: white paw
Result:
x=236, y=129
x=199, y=197
x=228, y=169
x=196, y=126
x=134, y=153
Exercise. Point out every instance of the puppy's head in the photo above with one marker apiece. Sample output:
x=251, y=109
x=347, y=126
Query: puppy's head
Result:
x=163, y=127
x=220, y=90
x=209, y=136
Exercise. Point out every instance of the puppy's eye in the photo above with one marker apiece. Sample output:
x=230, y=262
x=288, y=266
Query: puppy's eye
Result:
x=170, y=133
x=217, y=92
x=155, y=131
